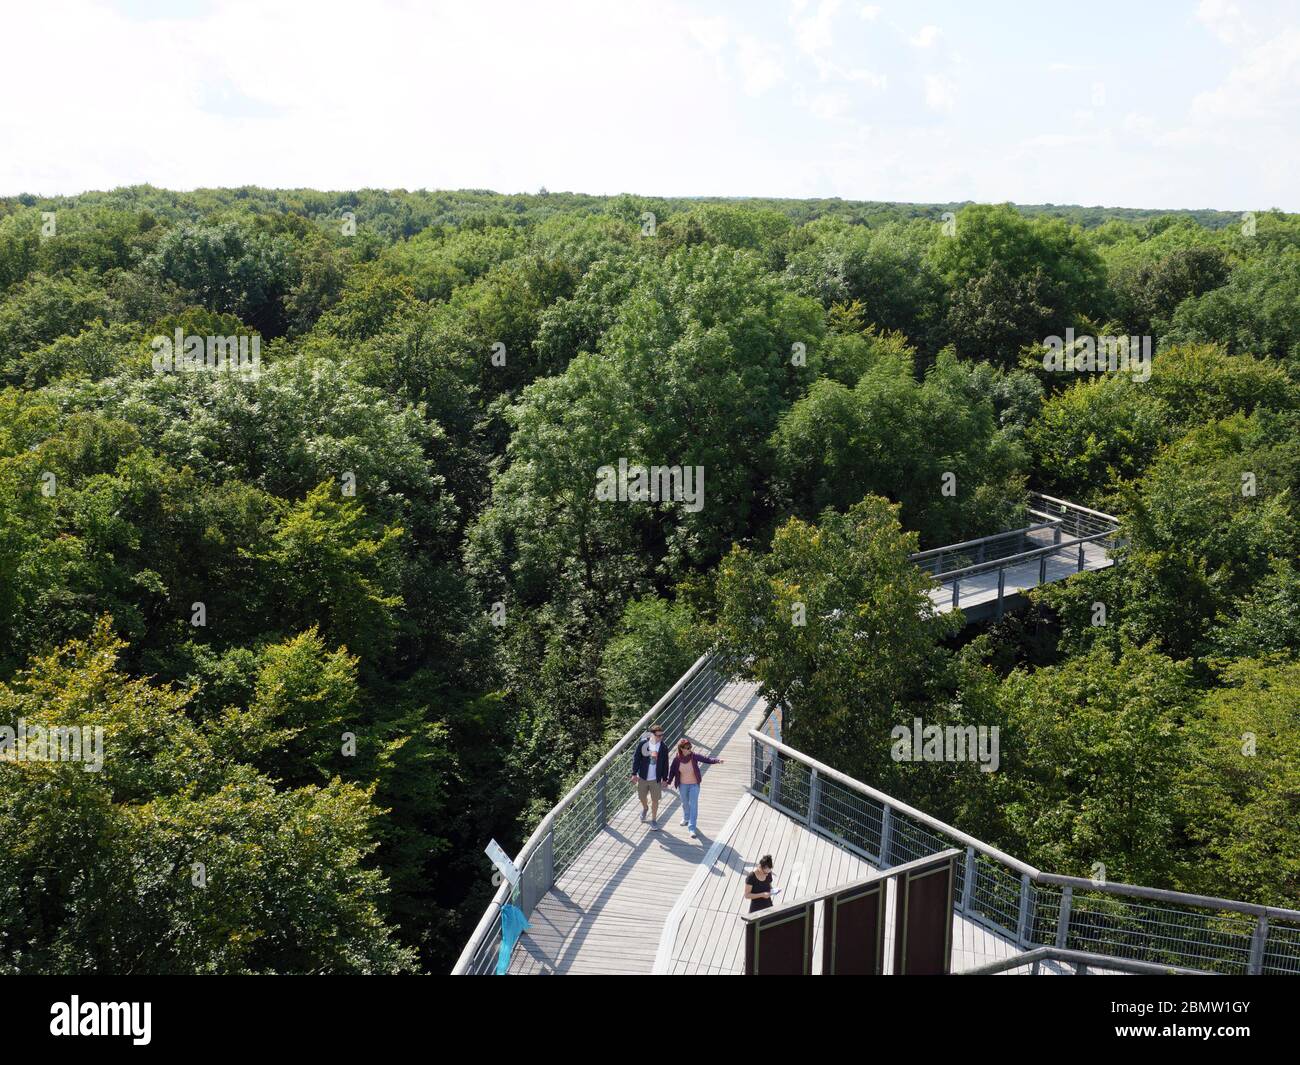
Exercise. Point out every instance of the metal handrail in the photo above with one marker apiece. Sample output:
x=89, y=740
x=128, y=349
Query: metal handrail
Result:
x=1024, y=868
x=930, y=552
x=1024, y=556
x=876, y=874
x=1018, y=901
x=484, y=930
x=1077, y=506
x=1082, y=960
x=826, y=771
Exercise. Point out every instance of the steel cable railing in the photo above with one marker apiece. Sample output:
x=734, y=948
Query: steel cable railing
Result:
x=1062, y=962
x=1021, y=905
x=581, y=815
x=1066, y=533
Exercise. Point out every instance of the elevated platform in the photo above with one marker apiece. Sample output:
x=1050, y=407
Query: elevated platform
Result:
x=606, y=912
x=704, y=936
x=605, y=893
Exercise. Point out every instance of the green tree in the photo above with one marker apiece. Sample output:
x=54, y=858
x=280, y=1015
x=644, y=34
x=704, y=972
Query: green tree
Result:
x=1091, y=755
x=837, y=626
x=1238, y=793
x=171, y=859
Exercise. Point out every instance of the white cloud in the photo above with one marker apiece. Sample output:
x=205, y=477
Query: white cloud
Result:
x=712, y=33
x=829, y=105
x=940, y=93
x=443, y=94
x=924, y=37
x=1224, y=19
x=813, y=33
x=1264, y=84
x=760, y=64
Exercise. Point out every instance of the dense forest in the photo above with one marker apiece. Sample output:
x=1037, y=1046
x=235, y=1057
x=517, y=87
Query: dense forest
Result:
x=348, y=605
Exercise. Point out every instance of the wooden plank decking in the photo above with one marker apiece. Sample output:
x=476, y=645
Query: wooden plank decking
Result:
x=640, y=901
x=606, y=912
x=706, y=933
x=982, y=588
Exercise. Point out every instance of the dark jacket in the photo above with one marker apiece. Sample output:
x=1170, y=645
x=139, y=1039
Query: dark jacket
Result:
x=641, y=760
x=675, y=773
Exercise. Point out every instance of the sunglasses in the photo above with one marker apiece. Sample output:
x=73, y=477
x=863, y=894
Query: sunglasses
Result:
x=684, y=747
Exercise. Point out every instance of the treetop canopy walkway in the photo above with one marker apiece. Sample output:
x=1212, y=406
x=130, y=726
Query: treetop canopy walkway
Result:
x=606, y=893
x=985, y=577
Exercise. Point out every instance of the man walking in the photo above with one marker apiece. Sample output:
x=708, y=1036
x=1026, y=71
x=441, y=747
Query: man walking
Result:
x=649, y=767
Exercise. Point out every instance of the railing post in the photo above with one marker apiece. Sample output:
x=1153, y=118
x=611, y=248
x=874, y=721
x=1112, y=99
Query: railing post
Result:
x=1081, y=558
x=1022, y=923
x=968, y=880
x=1002, y=584
x=776, y=778
x=1063, y=918
x=979, y=557
x=956, y=592
x=1056, y=534
x=814, y=797
x=602, y=816
x=1257, y=941
x=886, y=836
x=1042, y=569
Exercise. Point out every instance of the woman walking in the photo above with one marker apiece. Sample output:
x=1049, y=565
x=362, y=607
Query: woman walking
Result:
x=758, y=885
x=686, y=775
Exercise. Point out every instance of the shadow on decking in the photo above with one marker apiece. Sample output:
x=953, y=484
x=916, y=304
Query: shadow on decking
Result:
x=566, y=914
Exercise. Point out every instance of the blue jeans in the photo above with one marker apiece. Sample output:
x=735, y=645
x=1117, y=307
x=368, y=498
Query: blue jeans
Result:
x=690, y=803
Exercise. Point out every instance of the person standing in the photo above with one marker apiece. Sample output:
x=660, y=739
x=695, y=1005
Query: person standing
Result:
x=685, y=774
x=758, y=885
x=649, y=767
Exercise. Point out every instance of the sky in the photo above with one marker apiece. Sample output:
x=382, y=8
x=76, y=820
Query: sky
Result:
x=1142, y=103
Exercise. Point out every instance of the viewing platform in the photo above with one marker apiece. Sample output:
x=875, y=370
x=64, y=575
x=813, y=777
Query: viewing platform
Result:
x=988, y=576
x=606, y=893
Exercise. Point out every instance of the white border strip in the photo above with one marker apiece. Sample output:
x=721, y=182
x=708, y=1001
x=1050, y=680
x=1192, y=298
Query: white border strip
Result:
x=668, y=937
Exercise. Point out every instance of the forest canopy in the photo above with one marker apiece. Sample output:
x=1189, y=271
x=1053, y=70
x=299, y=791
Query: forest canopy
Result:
x=336, y=584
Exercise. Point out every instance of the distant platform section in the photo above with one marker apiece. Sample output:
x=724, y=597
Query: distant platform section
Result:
x=986, y=577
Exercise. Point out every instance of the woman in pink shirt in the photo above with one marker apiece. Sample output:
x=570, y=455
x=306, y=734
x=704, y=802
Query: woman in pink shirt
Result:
x=685, y=774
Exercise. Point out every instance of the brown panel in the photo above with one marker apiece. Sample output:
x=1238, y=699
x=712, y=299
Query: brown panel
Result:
x=923, y=925
x=780, y=944
x=854, y=931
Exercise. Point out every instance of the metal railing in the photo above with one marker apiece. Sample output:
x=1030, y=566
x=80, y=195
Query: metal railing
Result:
x=816, y=905
x=1075, y=963
x=580, y=816
x=1064, y=532
x=1014, y=900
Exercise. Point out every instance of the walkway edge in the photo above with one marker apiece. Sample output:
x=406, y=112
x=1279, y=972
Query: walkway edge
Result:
x=668, y=937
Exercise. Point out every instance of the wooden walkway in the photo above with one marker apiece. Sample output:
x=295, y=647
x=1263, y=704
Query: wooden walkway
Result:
x=607, y=911
x=981, y=589
x=641, y=901
x=705, y=935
